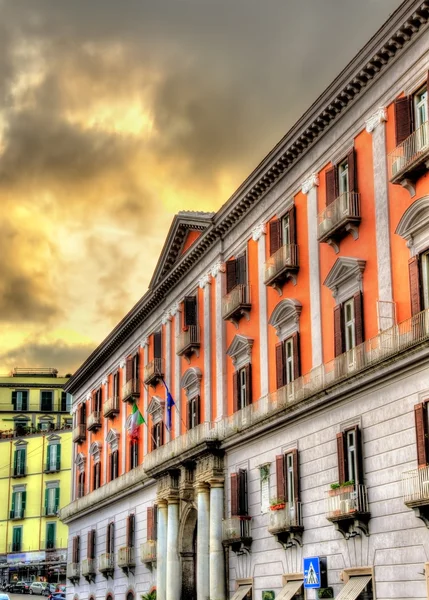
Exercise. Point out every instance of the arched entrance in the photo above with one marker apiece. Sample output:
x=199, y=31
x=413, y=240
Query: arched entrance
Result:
x=188, y=554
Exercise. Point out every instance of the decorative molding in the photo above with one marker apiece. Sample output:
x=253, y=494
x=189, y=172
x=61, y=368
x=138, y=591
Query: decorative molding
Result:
x=104, y=381
x=345, y=278
x=166, y=317
x=309, y=183
x=218, y=267
x=122, y=363
x=191, y=382
x=380, y=116
x=80, y=462
x=144, y=343
x=259, y=231
x=156, y=409
x=95, y=451
x=240, y=350
x=175, y=309
x=414, y=226
x=285, y=318
x=112, y=438
x=88, y=397
x=205, y=280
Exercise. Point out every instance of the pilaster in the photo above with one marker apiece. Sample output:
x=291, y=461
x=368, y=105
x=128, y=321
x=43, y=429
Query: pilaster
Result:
x=175, y=312
x=145, y=345
x=205, y=284
x=216, y=272
x=259, y=235
x=203, y=535
x=123, y=410
x=161, y=551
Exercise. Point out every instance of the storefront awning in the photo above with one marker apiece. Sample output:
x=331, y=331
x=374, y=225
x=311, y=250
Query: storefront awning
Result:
x=354, y=587
x=290, y=589
x=242, y=591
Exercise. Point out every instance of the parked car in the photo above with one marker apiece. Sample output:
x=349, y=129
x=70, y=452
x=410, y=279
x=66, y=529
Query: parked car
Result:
x=19, y=587
x=49, y=589
x=4, y=596
x=38, y=587
x=61, y=587
x=57, y=596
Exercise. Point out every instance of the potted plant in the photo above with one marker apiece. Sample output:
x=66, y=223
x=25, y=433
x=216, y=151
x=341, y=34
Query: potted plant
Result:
x=348, y=486
x=334, y=489
x=277, y=504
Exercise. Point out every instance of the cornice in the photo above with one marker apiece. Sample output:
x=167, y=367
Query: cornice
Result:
x=408, y=21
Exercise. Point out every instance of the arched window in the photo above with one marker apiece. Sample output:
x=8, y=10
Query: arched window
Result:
x=130, y=595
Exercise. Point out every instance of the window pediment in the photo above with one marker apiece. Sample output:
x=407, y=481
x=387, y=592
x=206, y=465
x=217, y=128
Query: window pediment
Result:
x=20, y=444
x=414, y=225
x=240, y=350
x=156, y=409
x=54, y=439
x=112, y=438
x=95, y=450
x=80, y=462
x=191, y=382
x=285, y=317
x=345, y=278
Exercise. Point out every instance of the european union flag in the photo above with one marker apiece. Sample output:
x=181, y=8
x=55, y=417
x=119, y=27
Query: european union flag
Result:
x=170, y=404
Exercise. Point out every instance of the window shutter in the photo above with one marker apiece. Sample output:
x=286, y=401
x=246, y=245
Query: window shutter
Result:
x=25, y=400
x=48, y=457
x=292, y=224
x=295, y=466
x=358, y=308
x=128, y=532
x=57, y=499
x=242, y=270
x=12, y=508
x=275, y=236
x=74, y=551
x=155, y=522
x=58, y=465
x=351, y=162
x=280, y=365
x=77, y=548
x=331, y=186
x=234, y=494
x=46, y=500
x=88, y=544
x=414, y=275
x=15, y=462
x=338, y=330
x=248, y=370
x=296, y=356
x=197, y=409
x=403, y=119
x=23, y=499
x=161, y=434
x=150, y=522
x=14, y=394
x=231, y=275
x=359, y=458
x=190, y=310
x=157, y=344
x=129, y=369
x=235, y=382
x=280, y=477
x=242, y=492
x=420, y=413
x=108, y=538
x=132, y=521
x=341, y=458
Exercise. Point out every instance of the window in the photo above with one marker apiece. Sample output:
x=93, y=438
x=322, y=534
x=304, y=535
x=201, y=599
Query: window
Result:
x=287, y=360
x=110, y=538
x=189, y=311
x=349, y=454
x=341, y=179
x=283, y=231
x=52, y=499
x=53, y=457
x=152, y=523
x=17, y=539
x=46, y=400
x=239, y=504
x=96, y=471
x=421, y=107
x=236, y=272
x=131, y=528
x=422, y=431
x=20, y=400
x=411, y=112
x=116, y=384
x=19, y=466
x=242, y=384
x=348, y=324
x=82, y=414
x=134, y=454
x=157, y=344
x=90, y=552
x=114, y=464
x=193, y=415
x=287, y=477
x=132, y=369
x=50, y=536
x=158, y=435
x=418, y=268
x=264, y=474
x=97, y=401
x=76, y=549
x=81, y=485
x=65, y=402
x=19, y=498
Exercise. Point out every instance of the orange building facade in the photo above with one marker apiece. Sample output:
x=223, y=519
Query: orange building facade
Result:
x=291, y=331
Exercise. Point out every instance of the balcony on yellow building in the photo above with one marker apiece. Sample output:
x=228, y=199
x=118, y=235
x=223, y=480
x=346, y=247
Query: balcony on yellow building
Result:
x=237, y=303
x=18, y=471
x=17, y=513
x=131, y=390
x=340, y=217
x=188, y=341
x=94, y=420
x=154, y=371
x=79, y=433
x=410, y=159
x=282, y=265
x=111, y=407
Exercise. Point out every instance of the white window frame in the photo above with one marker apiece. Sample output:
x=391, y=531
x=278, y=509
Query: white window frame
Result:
x=425, y=278
x=285, y=222
x=290, y=479
x=351, y=454
x=349, y=325
x=343, y=177
x=420, y=102
x=19, y=400
x=242, y=400
x=290, y=360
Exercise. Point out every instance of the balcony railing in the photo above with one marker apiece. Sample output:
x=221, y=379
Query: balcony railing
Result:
x=345, y=502
x=154, y=371
x=50, y=511
x=237, y=530
x=49, y=544
x=131, y=390
x=409, y=158
x=126, y=557
x=237, y=302
x=79, y=433
x=88, y=566
x=282, y=264
x=415, y=486
x=285, y=519
x=94, y=420
x=111, y=406
x=188, y=341
x=342, y=215
x=148, y=552
x=73, y=571
x=53, y=467
x=20, y=471
x=18, y=513
x=106, y=562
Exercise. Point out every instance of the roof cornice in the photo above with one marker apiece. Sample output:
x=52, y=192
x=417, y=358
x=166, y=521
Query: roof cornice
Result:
x=404, y=25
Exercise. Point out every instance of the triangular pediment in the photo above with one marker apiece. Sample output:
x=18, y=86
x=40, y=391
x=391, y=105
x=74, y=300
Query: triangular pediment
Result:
x=185, y=229
x=344, y=269
x=21, y=444
x=53, y=438
x=240, y=350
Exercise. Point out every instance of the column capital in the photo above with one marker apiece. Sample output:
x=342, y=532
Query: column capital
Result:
x=144, y=343
x=218, y=482
x=88, y=396
x=204, y=281
x=161, y=503
x=175, y=308
x=166, y=317
x=201, y=486
x=122, y=363
x=218, y=267
x=259, y=231
x=104, y=381
x=380, y=116
x=308, y=184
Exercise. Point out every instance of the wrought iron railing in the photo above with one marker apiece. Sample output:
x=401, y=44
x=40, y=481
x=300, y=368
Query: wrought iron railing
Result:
x=51, y=544
x=94, y=420
x=111, y=406
x=237, y=298
x=341, y=210
x=190, y=338
x=236, y=528
x=415, y=485
x=50, y=510
x=285, y=257
x=79, y=432
x=17, y=513
x=409, y=153
x=131, y=389
x=345, y=501
x=153, y=369
x=18, y=471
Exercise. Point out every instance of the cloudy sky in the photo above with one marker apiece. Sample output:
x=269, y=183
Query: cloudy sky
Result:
x=114, y=115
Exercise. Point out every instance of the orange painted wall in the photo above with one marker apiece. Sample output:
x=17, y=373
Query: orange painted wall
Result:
x=190, y=239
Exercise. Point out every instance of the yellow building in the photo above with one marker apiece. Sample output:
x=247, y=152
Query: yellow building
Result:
x=35, y=464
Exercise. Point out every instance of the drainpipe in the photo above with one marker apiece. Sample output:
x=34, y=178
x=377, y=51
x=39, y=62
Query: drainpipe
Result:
x=41, y=493
x=8, y=491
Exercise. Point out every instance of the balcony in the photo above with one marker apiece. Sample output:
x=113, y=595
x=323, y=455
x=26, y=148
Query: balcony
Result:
x=340, y=217
x=49, y=544
x=148, y=552
x=106, y=564
x=415, y=491
x=131, y=391
x=52, y=467
x=73, y=572
x=17, y=472
x=282, y=265
x=410, y=159
x=347, y=507
x=188, y=341
x=88, y=569
x=18, y=513
x=236, y=304
x=286, y=523
x=236, y=533
x=111, y=407
x=94, y=420
x=154, y=371
x=79, y=433
x=126, y=559
x=50, y=511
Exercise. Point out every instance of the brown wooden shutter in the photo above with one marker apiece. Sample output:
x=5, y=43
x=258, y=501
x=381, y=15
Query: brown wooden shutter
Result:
x=129, y=369
x=157, y=344
x=351, y=162
x=242, y=269
x=93, y=544
x=280, y=477
x=161, y=434
x=77, y=548
x=414, y=275
x=150, y=522
x=358, y=453
x=420, y=414
x=234, y=494
x=190, y=310
x=296, y=356
x=341, y=458
x=248, y=370
x=242, y=492
x=88, y=544
x=231, y=275
x=331, y=186
x=235, y=382
x=188, y=415
x=295, y=467
x=338, y=330
x=280, y=365
x=198, y=408
x=403, y=119
x=275, y=236
x=155, y=522
x=358, y=310
x=292, y=225
x=128, y=531
x=74, y=553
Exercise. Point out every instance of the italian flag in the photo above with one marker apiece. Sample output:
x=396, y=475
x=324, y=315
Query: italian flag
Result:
x=135, y=421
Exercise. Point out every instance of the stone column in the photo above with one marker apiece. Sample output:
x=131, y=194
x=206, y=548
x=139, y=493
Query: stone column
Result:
x=309, y=187
x=375, y=125
x=216, y=273
x=217, y=559
x=174, y=584
x=258, y=235
x=145, y=345
x=204, y=284
x=203, y=566
x=161, y=552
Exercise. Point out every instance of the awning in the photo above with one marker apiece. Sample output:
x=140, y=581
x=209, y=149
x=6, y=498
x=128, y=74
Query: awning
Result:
x=242, y=591
x=354, y=587
x=290, y=589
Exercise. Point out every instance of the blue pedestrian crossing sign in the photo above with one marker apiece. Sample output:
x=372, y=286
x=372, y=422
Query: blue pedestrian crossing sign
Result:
x=312, y=572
